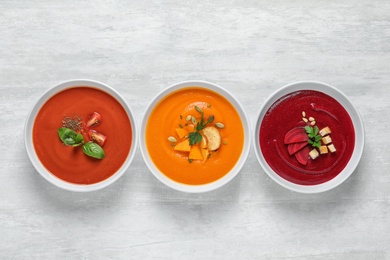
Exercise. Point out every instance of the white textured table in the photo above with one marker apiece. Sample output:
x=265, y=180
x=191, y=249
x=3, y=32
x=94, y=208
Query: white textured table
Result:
x=251, y=48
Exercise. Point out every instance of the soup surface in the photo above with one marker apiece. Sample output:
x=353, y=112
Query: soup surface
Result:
x=175, y=112
x=70, y=163
x=297, y=110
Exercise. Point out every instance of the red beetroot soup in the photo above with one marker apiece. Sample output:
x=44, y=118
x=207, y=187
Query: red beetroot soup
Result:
x=70, y=163
x=287, y=114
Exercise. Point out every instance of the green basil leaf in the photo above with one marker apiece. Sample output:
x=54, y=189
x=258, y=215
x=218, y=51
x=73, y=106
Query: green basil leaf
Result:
x=316, y=130
x=93, y=150
x=67, y=136
x=199, y=126
x=199, y=138
x=317, y=144
x=70, y=137
x=79, y=140
x=194, y=137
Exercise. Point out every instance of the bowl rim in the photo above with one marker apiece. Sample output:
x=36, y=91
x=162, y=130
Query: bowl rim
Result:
x=356, y=121
x=28, y=139
x=203, y=187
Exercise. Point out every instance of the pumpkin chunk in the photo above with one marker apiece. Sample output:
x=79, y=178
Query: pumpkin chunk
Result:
x=205, y=153
x=195, y=153
x=183, y=146
x=181, y=132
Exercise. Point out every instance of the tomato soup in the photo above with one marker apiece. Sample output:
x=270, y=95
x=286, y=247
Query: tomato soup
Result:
x=183, y=110
x=70, y=163
x=304, y=110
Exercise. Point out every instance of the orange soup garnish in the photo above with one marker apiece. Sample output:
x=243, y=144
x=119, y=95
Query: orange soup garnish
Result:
x=194, y=136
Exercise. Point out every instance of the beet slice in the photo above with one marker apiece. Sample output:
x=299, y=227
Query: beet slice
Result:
x=303, y=155
x=295, y=147
x=296, y=135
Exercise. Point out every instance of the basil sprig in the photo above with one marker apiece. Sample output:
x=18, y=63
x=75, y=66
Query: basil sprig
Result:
x=94, y=150
x=70, y=138
x=314, y=137
x=196, y=137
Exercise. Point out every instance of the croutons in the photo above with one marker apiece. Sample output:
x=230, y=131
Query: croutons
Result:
x=323, y=149
x=331, y=148
x=203, y=143
x=325, y=131
x=326, y=140
x=213, y=138
x=314, y=154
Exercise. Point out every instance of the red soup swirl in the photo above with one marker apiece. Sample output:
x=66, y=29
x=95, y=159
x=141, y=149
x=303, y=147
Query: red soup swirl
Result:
x=99, y=118
x=307, y=137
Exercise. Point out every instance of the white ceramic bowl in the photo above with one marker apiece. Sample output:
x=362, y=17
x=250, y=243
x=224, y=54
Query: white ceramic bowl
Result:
x=357, y=124
x=29, y=136
x=203, y=187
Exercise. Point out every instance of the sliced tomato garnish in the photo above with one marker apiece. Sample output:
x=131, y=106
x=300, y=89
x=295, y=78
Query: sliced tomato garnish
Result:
x=84, y=133
x=97, y=137
x=94, y=119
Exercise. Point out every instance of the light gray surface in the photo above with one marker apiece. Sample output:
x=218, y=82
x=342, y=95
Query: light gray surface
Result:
x=251, y=48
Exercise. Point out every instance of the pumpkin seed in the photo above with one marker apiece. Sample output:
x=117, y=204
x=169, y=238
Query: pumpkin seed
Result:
x=219, y=125
x=198, y=109
x=172, y=139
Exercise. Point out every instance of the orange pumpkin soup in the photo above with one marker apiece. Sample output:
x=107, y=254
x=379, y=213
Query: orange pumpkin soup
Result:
x=194, y=136
x=70, y=163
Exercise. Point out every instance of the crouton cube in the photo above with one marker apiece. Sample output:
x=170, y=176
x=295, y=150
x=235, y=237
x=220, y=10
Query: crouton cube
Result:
x=326, y=140
x=314, y=154
x=331, y=148
x=325, y=131
x=323, y=149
